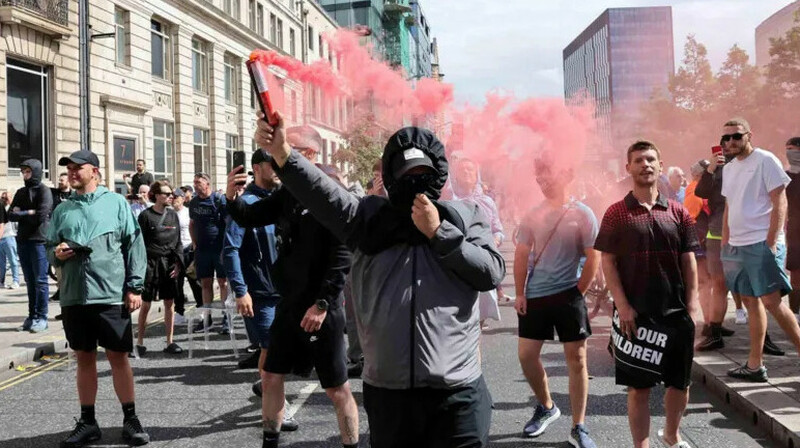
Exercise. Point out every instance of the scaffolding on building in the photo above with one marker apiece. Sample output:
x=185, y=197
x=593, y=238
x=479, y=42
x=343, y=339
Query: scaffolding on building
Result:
x=396, y=17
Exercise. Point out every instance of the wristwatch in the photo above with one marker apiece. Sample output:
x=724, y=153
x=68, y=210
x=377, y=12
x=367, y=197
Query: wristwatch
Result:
x=322, y=304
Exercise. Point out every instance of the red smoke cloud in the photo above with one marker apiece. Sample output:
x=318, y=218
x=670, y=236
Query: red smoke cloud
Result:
x=504, y=136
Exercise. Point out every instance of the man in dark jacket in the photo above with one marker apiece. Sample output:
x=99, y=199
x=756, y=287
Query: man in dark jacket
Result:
x=249, y=256
x=418, y=267
x=31, y=208
x=310, y=272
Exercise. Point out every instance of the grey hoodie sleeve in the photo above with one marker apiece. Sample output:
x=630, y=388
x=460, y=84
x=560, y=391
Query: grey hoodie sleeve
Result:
x=333, y=206
x=472, y=257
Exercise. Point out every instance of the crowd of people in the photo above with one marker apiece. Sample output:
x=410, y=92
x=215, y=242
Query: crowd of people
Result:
x=394, y=284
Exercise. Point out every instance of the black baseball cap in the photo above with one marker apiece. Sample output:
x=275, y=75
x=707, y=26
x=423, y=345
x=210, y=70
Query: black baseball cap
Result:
x=409, y=158
x=81, y=157
x=259, y=156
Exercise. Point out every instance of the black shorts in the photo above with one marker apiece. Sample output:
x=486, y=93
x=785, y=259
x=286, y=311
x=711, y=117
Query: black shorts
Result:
x=677, y=362
x=158, y=285
x=292, y=350
x=792, y=255
x=87, y=326
x=441, y=418
x=564, y=312
x=713, y=258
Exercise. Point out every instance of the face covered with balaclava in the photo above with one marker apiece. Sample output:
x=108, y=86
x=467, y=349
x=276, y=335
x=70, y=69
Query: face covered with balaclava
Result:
x=413, y=163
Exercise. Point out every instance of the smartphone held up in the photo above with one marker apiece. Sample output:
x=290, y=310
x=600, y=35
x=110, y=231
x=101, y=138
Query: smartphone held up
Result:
x=238, y=160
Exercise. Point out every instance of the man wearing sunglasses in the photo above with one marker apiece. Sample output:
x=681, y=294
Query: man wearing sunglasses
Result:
x=753, y=241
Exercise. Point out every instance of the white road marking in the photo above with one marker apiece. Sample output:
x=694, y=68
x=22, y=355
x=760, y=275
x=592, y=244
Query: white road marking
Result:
x=305, y=392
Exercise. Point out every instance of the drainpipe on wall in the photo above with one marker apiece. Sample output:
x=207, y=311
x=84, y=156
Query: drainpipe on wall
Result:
x=83, y=70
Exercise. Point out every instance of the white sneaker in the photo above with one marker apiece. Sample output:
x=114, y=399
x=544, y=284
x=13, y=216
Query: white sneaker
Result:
x=14, y=285
x=741, y=317
x=180, y=320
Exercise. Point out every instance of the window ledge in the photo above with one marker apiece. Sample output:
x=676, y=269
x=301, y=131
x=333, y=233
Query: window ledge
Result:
x=123, y=66
x=108, y=100
x=22, y=16
x=162, y=81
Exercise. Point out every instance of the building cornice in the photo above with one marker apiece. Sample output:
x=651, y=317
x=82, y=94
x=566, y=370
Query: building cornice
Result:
x=217, y=19
x=109, y=100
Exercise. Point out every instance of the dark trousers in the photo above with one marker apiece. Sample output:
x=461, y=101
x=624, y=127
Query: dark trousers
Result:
x=429, y=418
x=194, y=285
x=34, y=267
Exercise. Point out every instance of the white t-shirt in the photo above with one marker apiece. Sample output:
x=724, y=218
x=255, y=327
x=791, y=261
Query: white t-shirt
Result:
x=746, y=185
x=183, y=219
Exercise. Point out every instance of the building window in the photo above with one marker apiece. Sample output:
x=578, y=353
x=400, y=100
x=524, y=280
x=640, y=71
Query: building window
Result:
x=231, y=146
x=202, y=151
x=159, y=50
x=231, y=79
x=122, y=31
x=279, y=43
x=199, y=66
x=311, y=38
x=163, y=151
x=27, y=114
x=232, y=8
x=273, y=28
x=251, y=14
x=294, y=107
x=292, y=43
x=260, y=20
x=321, y=51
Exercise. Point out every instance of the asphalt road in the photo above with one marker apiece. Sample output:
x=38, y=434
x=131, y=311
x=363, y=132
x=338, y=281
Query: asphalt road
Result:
x=206, y=402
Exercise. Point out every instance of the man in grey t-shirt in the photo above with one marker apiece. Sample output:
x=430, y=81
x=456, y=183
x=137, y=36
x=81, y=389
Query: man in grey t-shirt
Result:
x=553, y=238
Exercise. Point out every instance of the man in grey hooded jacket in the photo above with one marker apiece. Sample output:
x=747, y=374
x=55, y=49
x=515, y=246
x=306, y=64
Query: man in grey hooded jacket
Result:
x=418, y=267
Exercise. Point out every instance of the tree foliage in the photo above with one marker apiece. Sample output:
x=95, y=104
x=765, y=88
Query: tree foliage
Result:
x=688, y=121
x=692, y=87
x=364, y=142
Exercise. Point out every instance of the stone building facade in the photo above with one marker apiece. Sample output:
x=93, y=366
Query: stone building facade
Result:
x=170, y=86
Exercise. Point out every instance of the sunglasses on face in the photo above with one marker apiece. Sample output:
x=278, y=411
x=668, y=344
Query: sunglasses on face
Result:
x=737, y=136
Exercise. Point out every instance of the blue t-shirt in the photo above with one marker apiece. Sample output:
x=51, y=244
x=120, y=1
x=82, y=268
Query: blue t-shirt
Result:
x=558, y=266
x=209, y=220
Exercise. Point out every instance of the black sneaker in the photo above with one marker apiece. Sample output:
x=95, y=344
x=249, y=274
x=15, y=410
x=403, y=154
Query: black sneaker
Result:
x=289, y=424
x=726, y=332
x=257, y=389
x=252, y=348
x=140, y=349
x=771, y=349
x=83, y=434
x=133, y=433
x=743, y=372
x=710, y=343
x=354, y=368
x=173, y=349
x=251, y=362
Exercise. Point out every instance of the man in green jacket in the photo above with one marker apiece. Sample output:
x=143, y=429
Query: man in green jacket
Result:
x=97, y=244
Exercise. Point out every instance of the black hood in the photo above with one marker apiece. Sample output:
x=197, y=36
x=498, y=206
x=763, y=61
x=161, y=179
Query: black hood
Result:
x=36, y=167
x=424, y=140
